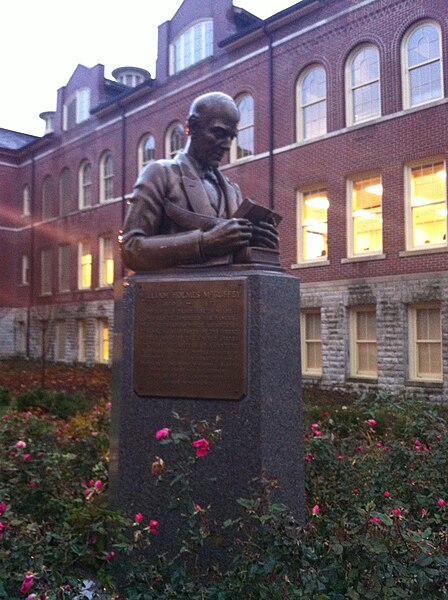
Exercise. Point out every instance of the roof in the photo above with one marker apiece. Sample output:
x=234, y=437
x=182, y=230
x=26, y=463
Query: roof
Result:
x=13, y=140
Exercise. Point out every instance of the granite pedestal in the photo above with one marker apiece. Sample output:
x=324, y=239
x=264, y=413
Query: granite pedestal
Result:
x=251, y=313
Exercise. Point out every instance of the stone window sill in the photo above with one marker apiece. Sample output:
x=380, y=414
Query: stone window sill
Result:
x=422, y=251
x=355, y=259
x=311, y=263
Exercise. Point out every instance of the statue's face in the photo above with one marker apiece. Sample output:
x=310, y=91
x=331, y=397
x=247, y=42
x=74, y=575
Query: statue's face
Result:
x=212, y=134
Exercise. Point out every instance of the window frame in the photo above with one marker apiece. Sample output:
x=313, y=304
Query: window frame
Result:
x=84, y=266
x=301, y=107
x=244, y=127
x=413, y=343
x=85, y=187
x=81, y=327
x=178, y=50
x=141, y=162
x=351, y=87
x=46, y=272
x=170, y=151
x=64, y=263
x=81, y=100
x=47, y=211
x=25, y=270
x=300, y=226
x=405, y=69
x=305, y=341
x=355, y=341
x=409, y=221
x=26, y=201
x=65, y=192
x=103, y=268
x=351, y=253
x=102, y=340
x=60, y=350
x=106, y=178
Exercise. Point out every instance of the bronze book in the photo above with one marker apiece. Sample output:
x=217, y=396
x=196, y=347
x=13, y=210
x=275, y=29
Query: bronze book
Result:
x=254, y=212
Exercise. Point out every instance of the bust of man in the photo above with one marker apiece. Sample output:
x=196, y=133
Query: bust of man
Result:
x=181, y=209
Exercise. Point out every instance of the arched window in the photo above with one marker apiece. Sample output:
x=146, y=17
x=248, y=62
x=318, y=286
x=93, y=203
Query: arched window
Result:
x=146, y=150
x=422, y=65
x=174, y=140
x=47, y=198
x=312, y=103
x=85, y=185
x=363, y=85
x=106, y=177
x=243, y=144
x=26, y=201
x=65, y=192
x=191, y=46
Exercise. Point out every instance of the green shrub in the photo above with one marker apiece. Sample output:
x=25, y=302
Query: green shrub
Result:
x=5, y=397
x=60, y=404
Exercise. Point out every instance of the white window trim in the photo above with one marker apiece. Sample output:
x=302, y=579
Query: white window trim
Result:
x=80, y=117
x=101, y=323
x=82, y=337
x=180, y=38
x=405, y=70
x=81, y=191
x=354, y=357
x=25, y=270
x=349, y=105
x=304, y=340
x=234, y=146
x=412, y=342
x=301, y=260
x=350, y=226
x=26, y=201
x=104, y=156
x=169, y=131
x=81, y=244
x=60, y=350
x=408, y=208
x=141, y=150
x=102, y=241
x=300, y=108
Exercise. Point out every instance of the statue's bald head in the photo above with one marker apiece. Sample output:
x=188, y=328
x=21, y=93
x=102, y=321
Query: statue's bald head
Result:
x=212, y=103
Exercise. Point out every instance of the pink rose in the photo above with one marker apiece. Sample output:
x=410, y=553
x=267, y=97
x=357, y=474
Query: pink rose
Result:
x=201, y=446
x=396, y=512
x=340, y=457
x=375, y=520
x=98, y=484
x=110, y=555
x=371, y=422
x=309, y=457
x=2, y=529
x=138, y=518
x=424, y=512
x=20, y=444
x=315, y=510
x=2, y=507
x=356, y=492
x=197, y=508
x=386, y=494
x=162, y=434
x=26, y=457
x=27, y=583
x=441, y=502
x=153, y=526
x=108, y=405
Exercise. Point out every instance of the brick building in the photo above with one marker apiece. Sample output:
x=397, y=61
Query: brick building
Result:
x=343, y=131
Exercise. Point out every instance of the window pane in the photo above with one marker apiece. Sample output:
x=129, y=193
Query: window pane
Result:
x=65, y=192
x=428, y=205
x=366, y=102
x=312, y=359
x=85, y=266
x=47, y=198
x=64, y=268
x=314, y=224
x=86, y=185
x=244, y=142
x=149, y=149
x=367, y=215
x=425, y=83
x=423, y=45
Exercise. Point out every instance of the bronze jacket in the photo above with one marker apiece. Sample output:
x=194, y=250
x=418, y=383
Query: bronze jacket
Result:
x=169, y=209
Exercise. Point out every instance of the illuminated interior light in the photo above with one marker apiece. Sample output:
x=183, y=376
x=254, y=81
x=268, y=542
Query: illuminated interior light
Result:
x=441, y=174
x=420, y=201
x=318, y=202
x=376, y=189
x=362, y=213
x=442, y=211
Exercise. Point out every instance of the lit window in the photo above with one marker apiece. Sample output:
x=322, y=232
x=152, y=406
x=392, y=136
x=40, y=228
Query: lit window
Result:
x=363, y=342
x=174, y=140
x=64, y=268
x=106, y=261
x=425, y=338
x=77, y=108
x=26, y=201
x=422, y=65
x=61, y=341
x=312, y=103
x=243, y=144
x=107, y=177
x=65, y=192
x=365, y=218
x=25, y=275
x=102, y=341
x=427, y=205
x=85, y=185
x=191, y=46
x=82, y=338
x=363, y=80
x=146, y=151
x=312, y=226
x=46, y=265
x=84, y=266
x=311, y=342
x=47, y=198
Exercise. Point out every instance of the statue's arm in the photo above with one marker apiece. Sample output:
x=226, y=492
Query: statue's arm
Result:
x=143, y=247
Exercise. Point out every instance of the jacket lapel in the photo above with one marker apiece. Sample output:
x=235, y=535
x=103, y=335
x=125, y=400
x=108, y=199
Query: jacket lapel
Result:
x=230, y=197
x=192, y=185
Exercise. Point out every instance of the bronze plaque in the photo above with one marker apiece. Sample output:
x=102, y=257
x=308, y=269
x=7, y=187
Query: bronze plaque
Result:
x=190, y=339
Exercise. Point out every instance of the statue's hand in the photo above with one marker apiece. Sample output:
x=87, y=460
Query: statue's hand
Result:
x=265, y=235
x=227, y=237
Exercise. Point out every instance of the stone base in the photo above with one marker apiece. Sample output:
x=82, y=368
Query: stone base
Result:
x=261, y=433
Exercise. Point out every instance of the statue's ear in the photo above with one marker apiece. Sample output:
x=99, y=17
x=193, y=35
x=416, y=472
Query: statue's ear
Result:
x=192, y=125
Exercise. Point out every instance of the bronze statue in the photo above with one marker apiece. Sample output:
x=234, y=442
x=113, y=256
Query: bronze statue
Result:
x=181, y=210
